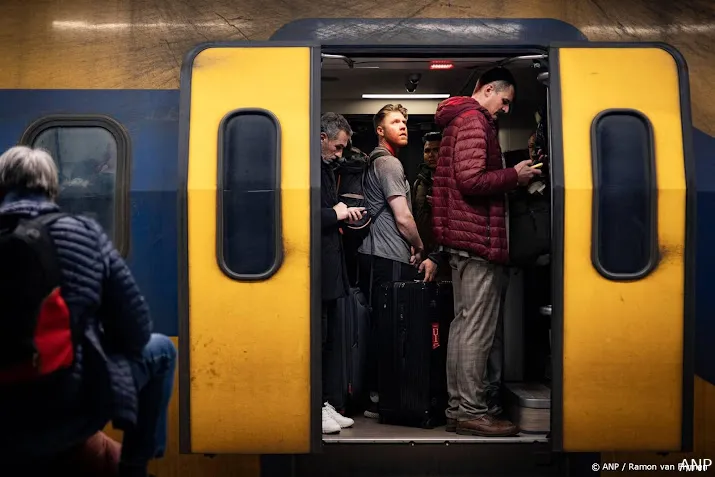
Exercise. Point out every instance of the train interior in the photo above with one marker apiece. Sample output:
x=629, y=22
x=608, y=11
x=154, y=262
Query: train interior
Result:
x=358, y=87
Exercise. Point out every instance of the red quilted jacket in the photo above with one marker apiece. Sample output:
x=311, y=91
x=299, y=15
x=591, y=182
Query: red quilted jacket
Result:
x=470, y=182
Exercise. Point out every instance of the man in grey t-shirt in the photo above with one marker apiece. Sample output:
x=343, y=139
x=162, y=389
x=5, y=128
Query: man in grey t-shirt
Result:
x=386, y=179
x=393, y=249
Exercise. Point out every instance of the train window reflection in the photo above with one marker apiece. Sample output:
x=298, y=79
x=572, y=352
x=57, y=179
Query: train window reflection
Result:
x=91, y=158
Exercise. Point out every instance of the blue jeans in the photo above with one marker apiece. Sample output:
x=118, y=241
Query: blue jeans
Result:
x=154, y=380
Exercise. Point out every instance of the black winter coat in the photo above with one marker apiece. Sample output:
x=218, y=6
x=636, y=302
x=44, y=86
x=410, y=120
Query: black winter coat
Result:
x=331, y=259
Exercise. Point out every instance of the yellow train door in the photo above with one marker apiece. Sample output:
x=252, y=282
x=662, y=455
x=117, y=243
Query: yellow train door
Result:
x=623, y=248
x=249, y=250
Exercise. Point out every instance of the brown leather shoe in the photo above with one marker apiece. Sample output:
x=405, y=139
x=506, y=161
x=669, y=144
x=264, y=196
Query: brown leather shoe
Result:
x=487, y=426
x=451, y=425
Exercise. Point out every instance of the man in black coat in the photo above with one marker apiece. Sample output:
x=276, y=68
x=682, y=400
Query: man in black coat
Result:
x=335, y=133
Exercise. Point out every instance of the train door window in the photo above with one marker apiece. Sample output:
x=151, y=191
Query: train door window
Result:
x=249, y=232
x=92, y=156
x=625, y=241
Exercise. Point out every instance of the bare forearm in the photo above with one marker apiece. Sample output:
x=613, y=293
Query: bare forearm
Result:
x=405, y=221
x=408, y=229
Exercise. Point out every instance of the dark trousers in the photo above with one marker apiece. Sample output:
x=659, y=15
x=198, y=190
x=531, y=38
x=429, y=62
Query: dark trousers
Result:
x=383, y=270
x=537, y=293
x=327, y=314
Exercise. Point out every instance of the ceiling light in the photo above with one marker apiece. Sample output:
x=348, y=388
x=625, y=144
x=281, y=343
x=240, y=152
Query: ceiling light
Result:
x=441, y=65
x=405, y=96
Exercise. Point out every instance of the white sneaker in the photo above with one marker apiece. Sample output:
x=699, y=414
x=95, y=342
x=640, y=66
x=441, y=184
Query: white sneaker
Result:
x=373, y=410
x=342, y=421
x=330, y=426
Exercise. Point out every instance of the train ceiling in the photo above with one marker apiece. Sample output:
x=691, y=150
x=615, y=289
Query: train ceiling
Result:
x=390, y=75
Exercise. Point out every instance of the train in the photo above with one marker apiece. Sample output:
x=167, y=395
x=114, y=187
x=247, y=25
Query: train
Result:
x=190, y=130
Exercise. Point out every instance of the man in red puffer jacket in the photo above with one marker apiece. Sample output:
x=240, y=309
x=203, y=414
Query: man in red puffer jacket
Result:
x=470, y=224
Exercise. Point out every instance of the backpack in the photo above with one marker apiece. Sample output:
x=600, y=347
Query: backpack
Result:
x=424, y=177
x=351, y=184
x=529, y=227
x=36, y=339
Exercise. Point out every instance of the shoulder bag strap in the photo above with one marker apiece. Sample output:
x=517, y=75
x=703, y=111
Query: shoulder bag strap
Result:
x=372, y=236
x=46, y=219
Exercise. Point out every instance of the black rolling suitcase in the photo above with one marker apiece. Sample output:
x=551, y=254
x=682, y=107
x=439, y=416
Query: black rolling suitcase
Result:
x=413, y=322
x=348, y=330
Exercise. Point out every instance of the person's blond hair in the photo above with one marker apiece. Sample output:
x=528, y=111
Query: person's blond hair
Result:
x=385, y=110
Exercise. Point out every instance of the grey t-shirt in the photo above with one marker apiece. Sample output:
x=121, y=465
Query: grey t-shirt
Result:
x=386, y=178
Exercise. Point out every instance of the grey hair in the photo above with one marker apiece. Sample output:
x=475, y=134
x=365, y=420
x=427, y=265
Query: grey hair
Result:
x=25, y=168
x=332, y=123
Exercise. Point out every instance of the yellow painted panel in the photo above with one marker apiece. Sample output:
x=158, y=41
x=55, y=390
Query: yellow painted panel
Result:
x=250, y=342
x=703, y=442
x=623, y=341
